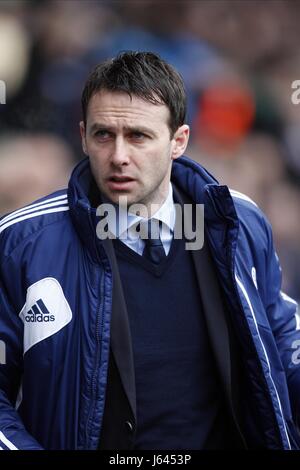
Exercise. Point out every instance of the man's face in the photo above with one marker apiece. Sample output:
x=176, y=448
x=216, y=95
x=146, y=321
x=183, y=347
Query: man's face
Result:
x=129, y=144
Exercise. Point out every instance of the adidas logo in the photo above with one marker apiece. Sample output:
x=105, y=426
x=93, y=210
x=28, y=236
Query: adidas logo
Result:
x=39, y=313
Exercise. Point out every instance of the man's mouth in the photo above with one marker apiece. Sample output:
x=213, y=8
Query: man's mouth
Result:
x=120, y=183
x=121, y=179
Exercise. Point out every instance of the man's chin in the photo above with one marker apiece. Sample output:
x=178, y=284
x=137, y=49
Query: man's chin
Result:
x=123, y=200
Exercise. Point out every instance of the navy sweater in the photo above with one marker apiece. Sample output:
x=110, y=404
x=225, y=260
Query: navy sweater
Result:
x=179, y=400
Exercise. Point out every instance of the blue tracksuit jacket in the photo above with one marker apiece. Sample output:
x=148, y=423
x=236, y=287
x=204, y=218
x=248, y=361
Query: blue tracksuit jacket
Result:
x=55, y=309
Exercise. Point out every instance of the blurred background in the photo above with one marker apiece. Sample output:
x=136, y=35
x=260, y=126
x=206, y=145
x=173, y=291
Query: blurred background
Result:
x=238, y=59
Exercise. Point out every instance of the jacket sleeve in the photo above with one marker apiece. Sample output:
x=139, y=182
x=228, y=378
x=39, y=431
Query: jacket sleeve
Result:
x=284, y=318
x=13, y=435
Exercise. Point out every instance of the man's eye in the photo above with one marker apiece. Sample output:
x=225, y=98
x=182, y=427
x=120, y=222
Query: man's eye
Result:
x=102, y=134
x=138, y=135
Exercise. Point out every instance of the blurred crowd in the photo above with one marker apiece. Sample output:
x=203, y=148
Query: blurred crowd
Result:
x=238, y=59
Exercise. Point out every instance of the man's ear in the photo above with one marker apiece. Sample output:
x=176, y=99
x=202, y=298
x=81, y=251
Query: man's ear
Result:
x=180, y=141
x=83, y=139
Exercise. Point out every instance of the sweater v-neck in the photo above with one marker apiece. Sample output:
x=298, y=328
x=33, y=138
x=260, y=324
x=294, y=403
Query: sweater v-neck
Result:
x=156, y=269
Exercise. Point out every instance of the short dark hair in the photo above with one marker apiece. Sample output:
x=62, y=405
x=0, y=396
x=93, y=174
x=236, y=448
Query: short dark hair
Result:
x=141, y=74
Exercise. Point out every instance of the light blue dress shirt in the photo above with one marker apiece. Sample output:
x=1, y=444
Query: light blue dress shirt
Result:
x=126, y=223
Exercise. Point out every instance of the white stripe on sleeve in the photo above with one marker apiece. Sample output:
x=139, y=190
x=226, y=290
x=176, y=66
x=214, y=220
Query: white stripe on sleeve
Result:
x=39, y=205
x=7, y=442
x=30, y=216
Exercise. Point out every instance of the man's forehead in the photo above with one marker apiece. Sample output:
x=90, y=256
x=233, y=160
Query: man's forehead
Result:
x=121, y=104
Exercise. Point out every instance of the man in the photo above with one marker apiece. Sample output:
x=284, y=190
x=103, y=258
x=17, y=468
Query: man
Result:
x=114, y=340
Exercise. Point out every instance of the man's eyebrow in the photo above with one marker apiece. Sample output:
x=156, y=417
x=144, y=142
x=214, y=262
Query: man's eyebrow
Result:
x=98, y=126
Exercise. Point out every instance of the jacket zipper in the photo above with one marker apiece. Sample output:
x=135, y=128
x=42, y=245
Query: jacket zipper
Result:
x=99, y=328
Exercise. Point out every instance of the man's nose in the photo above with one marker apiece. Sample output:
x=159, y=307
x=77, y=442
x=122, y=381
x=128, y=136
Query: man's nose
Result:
x=120, y=155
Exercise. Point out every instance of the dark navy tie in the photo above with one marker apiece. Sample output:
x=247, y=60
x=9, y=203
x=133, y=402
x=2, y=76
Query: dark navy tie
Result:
x=154, y=250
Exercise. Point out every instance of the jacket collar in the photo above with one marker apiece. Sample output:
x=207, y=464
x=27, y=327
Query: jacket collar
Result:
x=82, y=212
